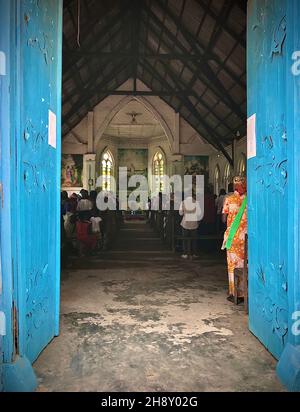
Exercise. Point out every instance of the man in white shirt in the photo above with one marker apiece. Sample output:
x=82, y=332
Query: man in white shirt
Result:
x=191, y=211
x=84, y=204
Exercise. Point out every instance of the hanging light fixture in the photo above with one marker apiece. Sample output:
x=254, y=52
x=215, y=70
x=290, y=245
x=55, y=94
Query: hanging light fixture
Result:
x=78, y=22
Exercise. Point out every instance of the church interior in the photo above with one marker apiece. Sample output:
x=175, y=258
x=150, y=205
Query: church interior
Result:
x=158, y=87
x=144, y=297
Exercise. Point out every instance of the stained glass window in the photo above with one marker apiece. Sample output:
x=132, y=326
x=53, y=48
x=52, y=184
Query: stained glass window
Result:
x=159, y=170
x=242, y=166
x=227, y=176
x=107, y=170
x=217, y=180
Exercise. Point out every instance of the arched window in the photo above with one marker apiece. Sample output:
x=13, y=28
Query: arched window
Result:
x=242, y=165
x=217, y=180
x=107, y=169
x=227, y=176
x=159, y=170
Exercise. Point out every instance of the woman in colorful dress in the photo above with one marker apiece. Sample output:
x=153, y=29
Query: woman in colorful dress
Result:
x=234, y=238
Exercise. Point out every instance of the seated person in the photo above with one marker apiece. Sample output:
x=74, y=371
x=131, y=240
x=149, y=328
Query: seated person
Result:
x=87, y=240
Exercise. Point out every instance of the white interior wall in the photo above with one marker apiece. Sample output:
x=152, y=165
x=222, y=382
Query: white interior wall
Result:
x=188, y=140
x=218, y=159
x=181, y=139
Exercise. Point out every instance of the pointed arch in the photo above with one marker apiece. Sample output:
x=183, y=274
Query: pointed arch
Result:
x=121, y=104
x=217, y=180
x=227, y=178
x=242, y=165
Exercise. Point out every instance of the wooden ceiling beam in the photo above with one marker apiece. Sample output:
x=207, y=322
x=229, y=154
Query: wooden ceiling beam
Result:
x=205, y=82
x=158, y=93
x=204, y=68
x=216, y=140
x=211, y=56
x=109, y=23
x=223, y=23
x=92, y=89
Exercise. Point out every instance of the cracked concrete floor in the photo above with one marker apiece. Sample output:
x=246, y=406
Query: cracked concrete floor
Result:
x=155, y=323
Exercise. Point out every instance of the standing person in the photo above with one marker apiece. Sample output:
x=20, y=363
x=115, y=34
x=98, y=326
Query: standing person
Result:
x=219, y=206
x=64, y=202
x=84, y=203
x=235, y=208
x=191, y=212
x=230, y=193
x=230, y=189
x=73, y=201
x=93, y=199
x=208, y=224
x=87, y=240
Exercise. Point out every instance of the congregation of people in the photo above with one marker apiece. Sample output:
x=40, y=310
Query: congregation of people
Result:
x=86, y=230
x=211, y=223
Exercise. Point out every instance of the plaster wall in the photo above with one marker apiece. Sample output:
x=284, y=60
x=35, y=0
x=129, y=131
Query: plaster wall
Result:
x=178, y=140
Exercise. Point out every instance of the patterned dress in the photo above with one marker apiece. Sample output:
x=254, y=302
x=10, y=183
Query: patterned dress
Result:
x=236, y=254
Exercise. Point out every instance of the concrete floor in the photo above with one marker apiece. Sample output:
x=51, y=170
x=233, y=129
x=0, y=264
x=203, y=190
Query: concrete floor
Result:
x=148, y=321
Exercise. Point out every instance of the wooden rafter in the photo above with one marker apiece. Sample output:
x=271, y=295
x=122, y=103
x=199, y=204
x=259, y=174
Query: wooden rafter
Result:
x=204, y=67
x=199, y=96
x=151, y=40
x=214, y=139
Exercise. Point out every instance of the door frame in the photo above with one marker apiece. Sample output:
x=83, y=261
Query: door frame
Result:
x=16, y=372
x=288, y=368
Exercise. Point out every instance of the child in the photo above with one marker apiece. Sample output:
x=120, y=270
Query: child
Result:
x=87, y=240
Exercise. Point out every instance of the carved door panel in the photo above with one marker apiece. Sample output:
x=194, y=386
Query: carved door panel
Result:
x=37, y=228
x=267, y=173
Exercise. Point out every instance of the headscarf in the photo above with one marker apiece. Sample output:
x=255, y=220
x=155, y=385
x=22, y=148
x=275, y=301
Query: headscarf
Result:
x=240, y=184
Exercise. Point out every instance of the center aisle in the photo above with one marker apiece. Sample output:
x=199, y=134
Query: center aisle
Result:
x=137, y=239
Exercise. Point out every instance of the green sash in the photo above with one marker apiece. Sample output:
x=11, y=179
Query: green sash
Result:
x=235, y=224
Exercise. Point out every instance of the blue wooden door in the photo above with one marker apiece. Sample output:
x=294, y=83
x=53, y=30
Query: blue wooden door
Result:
x=267, y=172
x=37, y=153
x=6, y=285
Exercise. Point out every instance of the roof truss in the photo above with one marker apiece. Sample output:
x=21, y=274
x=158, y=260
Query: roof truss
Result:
x=190, y=53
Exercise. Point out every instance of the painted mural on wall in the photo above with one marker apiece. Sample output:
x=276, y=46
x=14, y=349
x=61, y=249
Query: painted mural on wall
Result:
x=197, y=165
x=71, y=170
x=136, y=161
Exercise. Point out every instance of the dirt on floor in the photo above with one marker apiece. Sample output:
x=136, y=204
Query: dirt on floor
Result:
x=138, y=322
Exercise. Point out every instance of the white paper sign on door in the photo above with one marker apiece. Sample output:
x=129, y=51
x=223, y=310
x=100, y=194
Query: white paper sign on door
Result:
x=2, y=63
x=52, y=129
x=251, y=136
